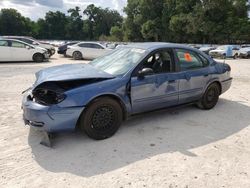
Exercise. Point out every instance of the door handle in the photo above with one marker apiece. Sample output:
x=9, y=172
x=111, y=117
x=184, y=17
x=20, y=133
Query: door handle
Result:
x=171, y=81
x=206, y=75
x=187, y=76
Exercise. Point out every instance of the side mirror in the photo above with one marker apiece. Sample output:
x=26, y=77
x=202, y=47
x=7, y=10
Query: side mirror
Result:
x=34, y=43
x=144, y=72
x=28, y=47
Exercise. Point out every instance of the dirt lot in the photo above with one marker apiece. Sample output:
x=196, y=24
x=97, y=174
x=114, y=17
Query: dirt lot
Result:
x=184, y=147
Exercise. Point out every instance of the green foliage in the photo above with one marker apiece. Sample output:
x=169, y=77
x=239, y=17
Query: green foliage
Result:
x=116, y=33
x=57, y=25
x=189, y=21
x=13, y=23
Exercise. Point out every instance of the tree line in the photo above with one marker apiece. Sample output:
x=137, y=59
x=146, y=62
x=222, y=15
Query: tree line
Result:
x=189, y=21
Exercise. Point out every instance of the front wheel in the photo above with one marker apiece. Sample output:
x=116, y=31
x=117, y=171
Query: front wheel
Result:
x=210, y=97
x=102, y=118
x=38, y=57
x=77, y=55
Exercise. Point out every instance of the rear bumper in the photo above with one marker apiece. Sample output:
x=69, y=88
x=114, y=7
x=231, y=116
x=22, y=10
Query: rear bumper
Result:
x=226, y=84
x=69, y=52
x=49, y=118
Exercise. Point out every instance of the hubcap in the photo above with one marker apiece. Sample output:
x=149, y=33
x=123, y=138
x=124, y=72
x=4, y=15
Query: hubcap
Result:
x=211, y=95
x=78, y=55
x=103, y=118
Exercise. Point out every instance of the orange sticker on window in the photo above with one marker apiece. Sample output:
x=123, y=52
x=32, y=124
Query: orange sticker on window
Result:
x=188, y=57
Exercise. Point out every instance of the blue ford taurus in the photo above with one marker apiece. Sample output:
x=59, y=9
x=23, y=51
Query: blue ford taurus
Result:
x=98, y=96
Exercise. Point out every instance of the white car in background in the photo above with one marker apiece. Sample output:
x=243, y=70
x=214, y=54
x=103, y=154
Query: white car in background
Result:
x=225, y=51
x=87, y=50
x=15, y=50
x=34, y=42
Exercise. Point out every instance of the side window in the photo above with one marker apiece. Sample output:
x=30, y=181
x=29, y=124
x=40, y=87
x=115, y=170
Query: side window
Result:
x=188, y=60
x=16, y=44
x=96, y=46
x=3, y=43
x=160, y=61
x=83, y=45
x=27, y=41
x=204, y=60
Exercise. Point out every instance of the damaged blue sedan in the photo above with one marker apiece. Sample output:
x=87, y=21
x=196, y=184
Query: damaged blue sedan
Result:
x=98, y=96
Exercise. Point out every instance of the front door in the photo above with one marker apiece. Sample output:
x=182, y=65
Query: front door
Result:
x=159, y=88
x=20, y=52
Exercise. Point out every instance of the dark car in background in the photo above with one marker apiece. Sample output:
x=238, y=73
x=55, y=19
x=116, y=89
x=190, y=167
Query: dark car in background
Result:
x=63, y=48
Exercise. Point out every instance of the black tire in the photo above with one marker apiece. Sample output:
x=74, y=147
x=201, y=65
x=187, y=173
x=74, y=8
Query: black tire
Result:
x=77, y=55
x=102, y=118
x=38, y=57
x=210, y=97
x=50, y=53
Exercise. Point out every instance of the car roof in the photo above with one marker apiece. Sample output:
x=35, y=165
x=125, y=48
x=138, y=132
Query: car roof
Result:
x=20, y=37
x=28, y=37
x=9, y=39
x=86, y=42
x=156, y=45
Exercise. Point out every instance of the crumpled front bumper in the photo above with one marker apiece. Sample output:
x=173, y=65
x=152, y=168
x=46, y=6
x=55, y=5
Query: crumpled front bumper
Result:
x=46, y=55
x=49, y=118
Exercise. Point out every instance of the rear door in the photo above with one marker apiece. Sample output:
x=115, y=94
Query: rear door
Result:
x=4, y=51
x=159, y=89
x=86, y=50
x=194, y=73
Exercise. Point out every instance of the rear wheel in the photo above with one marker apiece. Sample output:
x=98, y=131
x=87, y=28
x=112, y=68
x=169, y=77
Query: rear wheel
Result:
x=102, y=118
x=235, y=56
x=210, y=97
x=38, y=57
x=77, y=55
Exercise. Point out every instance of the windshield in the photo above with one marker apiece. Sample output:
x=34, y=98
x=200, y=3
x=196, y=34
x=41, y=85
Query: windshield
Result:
x=245, y=49
x=119, y=61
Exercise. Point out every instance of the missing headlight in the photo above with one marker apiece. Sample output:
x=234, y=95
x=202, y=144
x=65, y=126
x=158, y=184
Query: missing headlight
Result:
x=48, y=94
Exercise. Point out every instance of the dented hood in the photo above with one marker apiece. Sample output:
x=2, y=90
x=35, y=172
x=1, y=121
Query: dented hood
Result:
x=69, y=72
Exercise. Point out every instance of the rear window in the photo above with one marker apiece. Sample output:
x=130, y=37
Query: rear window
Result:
x=189, y=60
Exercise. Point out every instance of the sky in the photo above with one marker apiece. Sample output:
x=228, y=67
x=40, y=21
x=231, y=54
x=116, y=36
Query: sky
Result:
x=35, y=9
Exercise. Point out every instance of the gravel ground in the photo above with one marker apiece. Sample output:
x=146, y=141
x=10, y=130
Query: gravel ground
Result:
x=183, y=147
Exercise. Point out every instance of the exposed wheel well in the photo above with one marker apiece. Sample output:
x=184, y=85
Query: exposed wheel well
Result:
x=77, y=51
x=117, y=99
x=37, y=53
x=218, y=83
